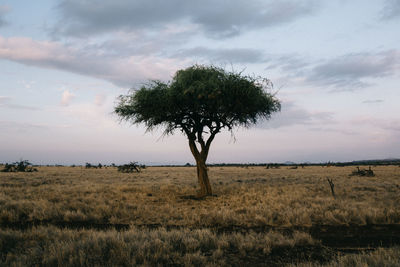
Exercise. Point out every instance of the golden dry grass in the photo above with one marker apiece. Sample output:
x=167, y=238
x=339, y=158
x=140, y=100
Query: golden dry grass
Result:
x=251, y=196
x=382, y=257
x=49, y=246
x=167, y=227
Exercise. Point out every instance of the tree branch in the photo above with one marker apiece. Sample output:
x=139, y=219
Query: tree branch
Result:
x=193, y=148
x=206, y=148
x=192, y=137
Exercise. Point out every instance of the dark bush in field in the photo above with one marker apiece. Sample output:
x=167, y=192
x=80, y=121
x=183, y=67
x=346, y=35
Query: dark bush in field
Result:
x=273, y=166
x=131, y=167
x=21, y=166
x=89, y=166
x=363, y=172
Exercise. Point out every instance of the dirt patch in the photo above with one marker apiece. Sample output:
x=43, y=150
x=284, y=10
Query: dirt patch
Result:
x=343, y=236
x=283, y=255
x=357, y=236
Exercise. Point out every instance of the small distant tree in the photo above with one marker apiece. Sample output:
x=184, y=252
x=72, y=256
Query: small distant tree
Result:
x=131, y=167
x=200, y=101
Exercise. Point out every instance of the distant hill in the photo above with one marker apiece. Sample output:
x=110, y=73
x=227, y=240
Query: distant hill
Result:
x=377, y=162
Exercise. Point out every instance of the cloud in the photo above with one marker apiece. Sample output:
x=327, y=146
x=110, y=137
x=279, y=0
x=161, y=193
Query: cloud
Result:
x=28, y=51
x=384, y=132
x=385, y=124
x=391, y=10
x=342, y=73
x=217, y=19
x=66, y=98
x=373, y=101
x=6, y=102
x=20, y=127
x=122, y=70
x=99, y=99
x=27, y=84
x=291, y=63
x=353, y=70
x=140, y=42
x=288, y=63
x=334, y=130
x=3, y=11
x=91, y=115
x=4, y=99
x=224, y=55
x=291, y=114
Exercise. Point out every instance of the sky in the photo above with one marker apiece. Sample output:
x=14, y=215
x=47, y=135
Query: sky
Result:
x=334, y=65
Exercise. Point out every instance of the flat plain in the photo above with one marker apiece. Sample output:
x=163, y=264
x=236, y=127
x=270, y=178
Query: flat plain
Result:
x=264, y=217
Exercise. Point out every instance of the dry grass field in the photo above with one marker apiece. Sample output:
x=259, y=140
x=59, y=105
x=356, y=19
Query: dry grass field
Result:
x=267, y=217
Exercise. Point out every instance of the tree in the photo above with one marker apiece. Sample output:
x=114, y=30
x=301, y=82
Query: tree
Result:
x=200, y=101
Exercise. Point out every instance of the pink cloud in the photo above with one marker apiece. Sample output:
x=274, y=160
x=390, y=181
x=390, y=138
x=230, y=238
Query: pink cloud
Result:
x=25, y=50
x=121, y=71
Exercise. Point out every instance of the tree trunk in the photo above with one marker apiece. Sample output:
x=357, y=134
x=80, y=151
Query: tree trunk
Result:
x=202, y=175
x=201, y=157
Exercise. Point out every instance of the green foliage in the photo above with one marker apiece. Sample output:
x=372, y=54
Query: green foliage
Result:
x=21, y=166
x=197, y=98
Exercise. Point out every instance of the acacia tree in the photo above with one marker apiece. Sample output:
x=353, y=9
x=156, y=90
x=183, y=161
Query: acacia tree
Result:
x=200, y=101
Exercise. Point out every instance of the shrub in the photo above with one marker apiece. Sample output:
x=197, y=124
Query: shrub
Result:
x=363, y=172
x=131, y=167
x=21, y=166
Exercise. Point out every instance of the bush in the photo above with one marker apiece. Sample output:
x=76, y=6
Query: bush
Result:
x=89, y=166
x=131, y=167
x=363, y=172
x=21, y=166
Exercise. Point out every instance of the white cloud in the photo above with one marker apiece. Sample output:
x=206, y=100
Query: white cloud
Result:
x=90, y=116
x=291, y=115
x=99, y=99
x=66, y=98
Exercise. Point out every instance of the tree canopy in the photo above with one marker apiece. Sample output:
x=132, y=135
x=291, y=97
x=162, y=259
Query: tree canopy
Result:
x=200, y=101
x=200, y=97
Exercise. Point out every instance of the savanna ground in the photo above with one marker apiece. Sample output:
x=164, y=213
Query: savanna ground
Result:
x=72, y=216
